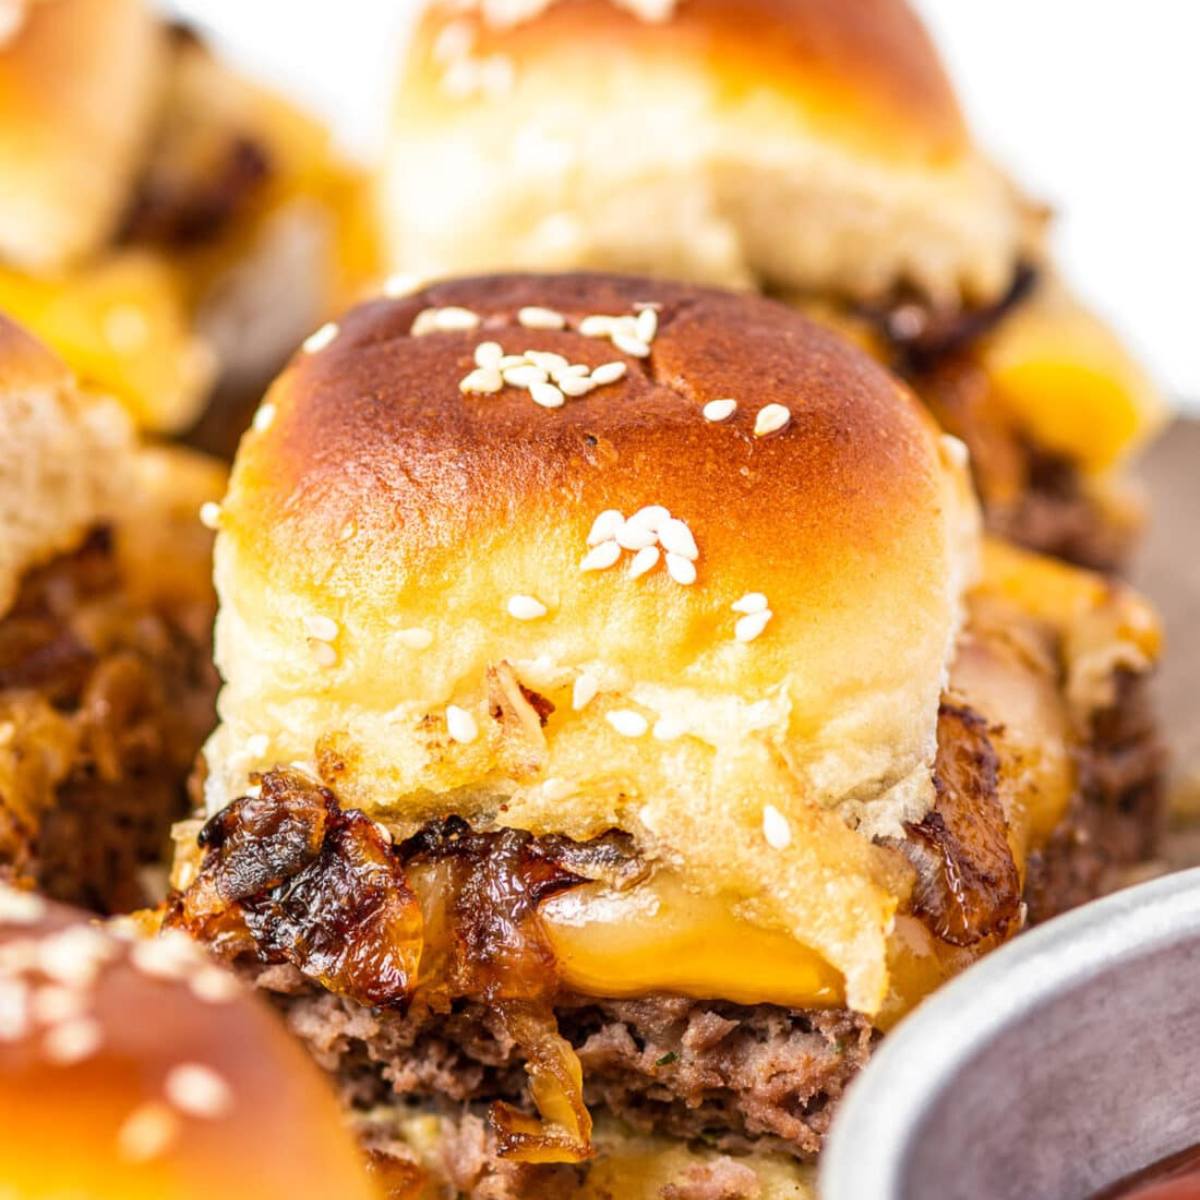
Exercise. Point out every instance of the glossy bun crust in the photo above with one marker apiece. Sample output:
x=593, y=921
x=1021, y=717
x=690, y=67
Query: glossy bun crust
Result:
x=135, y=1069
x=806, y=145
x=80, y=82
x=65, y=458
x=380, y=521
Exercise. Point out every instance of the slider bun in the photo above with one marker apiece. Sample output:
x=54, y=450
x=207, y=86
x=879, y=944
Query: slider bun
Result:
x=377, y=506
x=79, y=86
x=808, y=145
x=131, y=1072
x=64, y=458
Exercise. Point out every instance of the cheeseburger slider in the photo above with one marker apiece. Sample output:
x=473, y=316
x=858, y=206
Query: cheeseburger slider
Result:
x=164, y=224
x=106, y=605
x=622, y=722
x=812, y=149
x=137, y=1070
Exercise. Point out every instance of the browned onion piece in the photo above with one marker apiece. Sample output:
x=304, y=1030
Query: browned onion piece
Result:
x=968, y=887
x=563, y=1132
x=310, y=885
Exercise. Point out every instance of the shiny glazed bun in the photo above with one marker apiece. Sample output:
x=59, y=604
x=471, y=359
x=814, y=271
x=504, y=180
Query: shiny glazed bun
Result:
x=135, y=1069
x=805, y=145
x=79, y=86
x=65, y=457
x=421, y=596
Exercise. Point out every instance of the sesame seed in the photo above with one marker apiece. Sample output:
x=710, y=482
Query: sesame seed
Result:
x=198, y=1091
x=584, y=690
x=512, y=360
x=676, y=538
x=751, y=625
x=667, y=729
x=646, y=325
x=214, y=986
x=631, y=345
x=770, y=419
x=324, y=629
x=53, y=1004
x=415, y=639
x=348, y=530
x=575, y=385
x=533, y=317
x=580, y=370
x=646, y=559
x=452, y=319
x=148, y=1131
x=653, y=516
x=605, y=526
x=316, y=342
x=776, y=829
x=635, y=537
x=524, y=376
x=401, y=284
x=608, y=372
x=596, y=326
x=483, y=381
x=525, y=608
x=546, y=395
x=72, y=1041
x=20, y=908
x=751, y=602
x=488, y=355
x=627, y=722
x=955, y=450
x=719, y=410
x=681, y=569
x=264, y=418
x=550, y=362
x=556, y=789
x=210, y=514
x=600, y=557
x=74, y=955
x=170, y=956
x=460, y=724
x=324, y=655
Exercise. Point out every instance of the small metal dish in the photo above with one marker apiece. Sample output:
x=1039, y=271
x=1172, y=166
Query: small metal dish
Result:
x=1055, y=1067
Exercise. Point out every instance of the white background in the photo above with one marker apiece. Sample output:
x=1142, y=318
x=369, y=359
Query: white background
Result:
x=1093, y=104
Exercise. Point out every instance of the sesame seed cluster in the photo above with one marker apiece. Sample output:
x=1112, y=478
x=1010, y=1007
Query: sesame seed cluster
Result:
x=48, y=989
x=551, y=379
x=649, y=535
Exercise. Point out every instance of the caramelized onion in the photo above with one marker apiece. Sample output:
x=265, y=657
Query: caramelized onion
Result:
x=290, y=875
x=968, y=886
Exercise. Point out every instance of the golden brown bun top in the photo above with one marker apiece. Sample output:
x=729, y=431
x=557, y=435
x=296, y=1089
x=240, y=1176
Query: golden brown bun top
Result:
x=65, y=458
x=79, y=86
x=132, y=1069
x=381, y=524
x=813, y=145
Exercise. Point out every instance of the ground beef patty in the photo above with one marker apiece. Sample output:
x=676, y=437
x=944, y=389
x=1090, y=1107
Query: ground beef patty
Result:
x=104, y=702
x=730, y=1075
